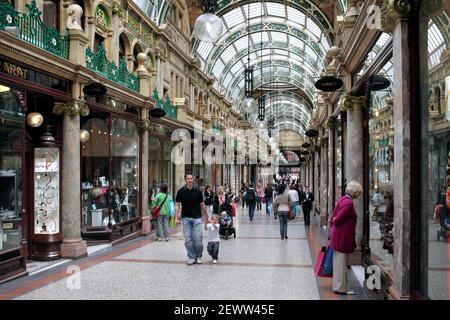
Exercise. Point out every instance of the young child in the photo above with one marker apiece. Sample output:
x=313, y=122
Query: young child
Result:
x=213, y=226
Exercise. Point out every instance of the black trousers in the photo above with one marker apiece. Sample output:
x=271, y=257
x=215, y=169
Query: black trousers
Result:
x=307, y=212
x=213, y=249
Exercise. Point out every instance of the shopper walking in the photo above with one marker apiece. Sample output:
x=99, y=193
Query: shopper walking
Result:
x=162, y=199
x=260, y=193
x=221, y=203
x=281, y=206
x=209, y=199
x=307, y=203
x=293, y=194
x=342, y=237
x=192, y=206
x=268, y=195
x=250, y=197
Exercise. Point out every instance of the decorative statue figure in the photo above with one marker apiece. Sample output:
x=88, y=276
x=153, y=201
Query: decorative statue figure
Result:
x=74, y=19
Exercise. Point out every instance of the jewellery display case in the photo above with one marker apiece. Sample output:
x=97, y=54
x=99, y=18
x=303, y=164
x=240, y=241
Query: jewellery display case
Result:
x=47, y=236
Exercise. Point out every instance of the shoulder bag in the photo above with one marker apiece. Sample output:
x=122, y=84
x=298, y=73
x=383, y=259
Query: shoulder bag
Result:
x=156, y=209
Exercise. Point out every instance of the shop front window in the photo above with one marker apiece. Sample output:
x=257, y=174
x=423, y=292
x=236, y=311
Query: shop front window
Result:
x=11, y=147
x=95, y=173
x=438, y=208
x=380, y=175
x=124, y=170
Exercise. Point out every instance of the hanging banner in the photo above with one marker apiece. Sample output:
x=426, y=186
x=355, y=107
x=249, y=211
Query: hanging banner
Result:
x=447, y=98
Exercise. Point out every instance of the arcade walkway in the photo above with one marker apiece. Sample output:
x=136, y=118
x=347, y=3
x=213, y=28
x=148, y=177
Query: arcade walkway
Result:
x=255, y=265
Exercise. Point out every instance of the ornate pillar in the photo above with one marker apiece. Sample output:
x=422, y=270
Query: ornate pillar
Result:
x=354, y=153
x=332, y=164
x=144, y=89
x=77, y=46
x=72, y=247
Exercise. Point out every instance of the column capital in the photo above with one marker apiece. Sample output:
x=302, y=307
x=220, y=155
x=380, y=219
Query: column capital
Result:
x=331, y=123
x=145, y=126
x=395, y=11
x=433, y=8
x=352, y=103
x=73, y=108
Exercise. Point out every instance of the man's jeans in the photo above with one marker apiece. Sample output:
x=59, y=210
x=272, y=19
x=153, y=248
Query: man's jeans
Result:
x=251, y=209
x=192, y=230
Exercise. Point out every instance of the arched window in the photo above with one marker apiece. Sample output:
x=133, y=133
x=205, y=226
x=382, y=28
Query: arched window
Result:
x=51, y=13
x=136, y=50
x=122, y=48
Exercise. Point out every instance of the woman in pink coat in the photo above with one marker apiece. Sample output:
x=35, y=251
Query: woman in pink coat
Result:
x=343, y=224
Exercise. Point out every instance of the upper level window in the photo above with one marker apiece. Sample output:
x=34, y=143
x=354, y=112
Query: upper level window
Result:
x=50, y=14
x=98, y=40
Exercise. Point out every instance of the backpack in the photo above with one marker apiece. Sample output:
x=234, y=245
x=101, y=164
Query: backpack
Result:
x=251, y=196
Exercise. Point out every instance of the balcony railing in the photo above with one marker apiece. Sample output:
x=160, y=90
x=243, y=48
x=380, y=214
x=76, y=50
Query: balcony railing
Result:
x=171, y=111
x=30, y=28
x=101, y=65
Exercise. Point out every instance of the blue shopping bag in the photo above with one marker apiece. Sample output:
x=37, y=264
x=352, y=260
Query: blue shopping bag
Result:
x=327, y=264
x=172, y=208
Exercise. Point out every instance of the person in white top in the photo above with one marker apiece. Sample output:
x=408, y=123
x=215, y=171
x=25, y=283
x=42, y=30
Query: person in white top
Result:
x=293, y=195
x=212, y=226
x=281, y=207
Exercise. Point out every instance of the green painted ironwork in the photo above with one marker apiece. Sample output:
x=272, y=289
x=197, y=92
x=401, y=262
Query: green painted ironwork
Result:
x=31, y=28
x=171, y=111
x=119, y=74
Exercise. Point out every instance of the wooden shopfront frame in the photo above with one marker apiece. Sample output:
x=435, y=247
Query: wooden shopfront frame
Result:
x=16, y=76
x=132, y=227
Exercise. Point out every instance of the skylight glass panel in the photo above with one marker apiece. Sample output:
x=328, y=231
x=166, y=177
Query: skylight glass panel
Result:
x=313, y=27
x=227, y=80
x=204, y=49
x=237, y=66
x=297, y=16
x=325, y=43
x=435, y=38
x=218, y=68
x=254, y=10
x=279, y=36
x=296, y=42
x=242, y=43
x=311, y=52
x=275, y=9
x=233, y=18
x=281, y=52
x=228, y=54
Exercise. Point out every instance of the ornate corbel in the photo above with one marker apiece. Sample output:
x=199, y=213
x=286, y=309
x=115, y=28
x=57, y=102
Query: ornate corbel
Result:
x=395, y=10
x=432, y=8
x=73, y=108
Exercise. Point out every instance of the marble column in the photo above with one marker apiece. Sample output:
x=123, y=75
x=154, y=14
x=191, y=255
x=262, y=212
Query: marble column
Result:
x=73, y=246
x=354, y=154
x=332, y=164
x=145, y=90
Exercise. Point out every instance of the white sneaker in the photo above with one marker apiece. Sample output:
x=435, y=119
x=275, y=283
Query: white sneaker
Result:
x=191, y=262
x=214, y=261
x=199, y=261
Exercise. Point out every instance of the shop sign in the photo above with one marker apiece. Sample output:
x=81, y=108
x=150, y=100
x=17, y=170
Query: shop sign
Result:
x=14, y=70
x=19, y=71
x=329, y=83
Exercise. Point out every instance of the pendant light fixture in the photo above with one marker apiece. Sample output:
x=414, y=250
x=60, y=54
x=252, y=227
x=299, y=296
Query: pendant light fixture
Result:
x=34, y=119
x=250, y=103
x=208, y=27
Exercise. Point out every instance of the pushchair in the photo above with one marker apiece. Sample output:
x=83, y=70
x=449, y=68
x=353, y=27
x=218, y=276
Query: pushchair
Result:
x=226, y=226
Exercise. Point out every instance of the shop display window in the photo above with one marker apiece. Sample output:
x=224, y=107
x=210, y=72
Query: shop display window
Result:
x=11, y=145
x=110, y=174
x=46, y=190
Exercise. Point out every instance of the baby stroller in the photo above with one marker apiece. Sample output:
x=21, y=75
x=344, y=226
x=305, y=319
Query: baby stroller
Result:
x=226, y=226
